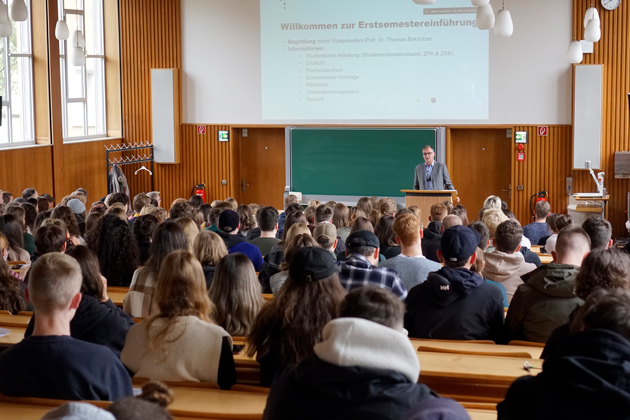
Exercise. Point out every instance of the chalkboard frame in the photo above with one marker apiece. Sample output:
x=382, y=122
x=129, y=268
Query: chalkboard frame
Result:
x=439, y=133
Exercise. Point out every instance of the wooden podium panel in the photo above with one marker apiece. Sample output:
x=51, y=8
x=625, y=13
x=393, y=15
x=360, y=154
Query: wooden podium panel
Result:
x=424, y=199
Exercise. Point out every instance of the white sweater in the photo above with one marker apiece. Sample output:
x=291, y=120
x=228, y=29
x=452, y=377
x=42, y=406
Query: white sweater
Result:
x=190, y=352
x=359, y=342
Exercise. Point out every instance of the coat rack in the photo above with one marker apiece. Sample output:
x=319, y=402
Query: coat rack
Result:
x=136, y=157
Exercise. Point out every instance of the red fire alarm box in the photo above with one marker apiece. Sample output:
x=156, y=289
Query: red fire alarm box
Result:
x=520, y=157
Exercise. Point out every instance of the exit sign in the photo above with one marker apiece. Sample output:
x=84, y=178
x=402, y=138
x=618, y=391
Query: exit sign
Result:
x=224, y=135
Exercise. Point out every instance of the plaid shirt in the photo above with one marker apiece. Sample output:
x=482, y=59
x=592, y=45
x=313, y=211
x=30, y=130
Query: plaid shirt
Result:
x=356, y=271
x=139, y=301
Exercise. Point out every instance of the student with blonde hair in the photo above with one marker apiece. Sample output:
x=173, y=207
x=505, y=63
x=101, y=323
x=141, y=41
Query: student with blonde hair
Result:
x=180, y=342
x=493, y=218
x=236, y=294
x=209, y=249
x=492, y=202
x=190, y=229
x=353, y=214
x=232, y=202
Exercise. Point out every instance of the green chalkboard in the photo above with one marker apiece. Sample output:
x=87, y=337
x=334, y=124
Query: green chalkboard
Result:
x=356, y=161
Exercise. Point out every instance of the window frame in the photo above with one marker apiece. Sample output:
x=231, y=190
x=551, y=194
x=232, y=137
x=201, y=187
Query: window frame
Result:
x=65, y=67
x=7, y=100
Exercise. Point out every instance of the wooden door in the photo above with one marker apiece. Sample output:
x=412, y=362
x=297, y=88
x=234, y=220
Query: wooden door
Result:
x=480, y=166
x=262, y=167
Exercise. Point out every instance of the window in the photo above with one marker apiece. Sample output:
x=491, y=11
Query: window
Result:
x=84, y=114
x=16, y=85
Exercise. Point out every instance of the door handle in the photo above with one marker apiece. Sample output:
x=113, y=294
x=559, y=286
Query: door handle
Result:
x=243, y=185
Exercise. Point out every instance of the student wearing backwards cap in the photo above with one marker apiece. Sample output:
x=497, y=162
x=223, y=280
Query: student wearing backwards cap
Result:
x=455, y=303
x=326, y=236
x=229, y=225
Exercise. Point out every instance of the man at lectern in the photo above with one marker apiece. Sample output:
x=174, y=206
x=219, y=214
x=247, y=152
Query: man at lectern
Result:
x=431, y=175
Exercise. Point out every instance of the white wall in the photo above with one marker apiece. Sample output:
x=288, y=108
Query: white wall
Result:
x=530, y=79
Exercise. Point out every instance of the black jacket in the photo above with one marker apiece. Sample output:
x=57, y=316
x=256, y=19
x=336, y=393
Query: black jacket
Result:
x=589, y=379
x=531, y=257
x=98, y=323
x=208, y=272
x=315, y=389
x=389, y=251
x=558, y=337
x=433, y=231
x=271, y=266
x=430, y=248
x=455, y=304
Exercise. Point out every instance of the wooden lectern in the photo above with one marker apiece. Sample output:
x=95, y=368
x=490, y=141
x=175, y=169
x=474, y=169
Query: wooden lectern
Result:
x=425, y=199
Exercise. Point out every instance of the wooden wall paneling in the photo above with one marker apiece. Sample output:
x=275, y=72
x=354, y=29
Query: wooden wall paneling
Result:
x=26, y=168
x=612, y=52
x=112, y=68
x=547, y=164
x=204, y=159
x=86, y=168
x=150, y=33
x=40, y=72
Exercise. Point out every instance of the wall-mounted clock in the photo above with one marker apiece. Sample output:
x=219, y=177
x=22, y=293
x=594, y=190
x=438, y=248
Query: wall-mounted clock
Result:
x=611, y=4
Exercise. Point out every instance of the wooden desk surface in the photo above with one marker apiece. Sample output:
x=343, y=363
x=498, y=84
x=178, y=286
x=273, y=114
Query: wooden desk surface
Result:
x=15, y=336
x=534, y=352
x=117, y=297
x=482, y=414
x=7, y=321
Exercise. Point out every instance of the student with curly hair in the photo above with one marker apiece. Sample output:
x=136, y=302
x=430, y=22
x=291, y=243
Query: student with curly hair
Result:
x=117, y=252
x=11, y=288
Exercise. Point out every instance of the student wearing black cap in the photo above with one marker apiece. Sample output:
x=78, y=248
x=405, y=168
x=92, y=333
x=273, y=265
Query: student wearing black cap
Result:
x=289, y=325
x=455, y=303
x=364, y=367
x=229, y=224
x=360, y=268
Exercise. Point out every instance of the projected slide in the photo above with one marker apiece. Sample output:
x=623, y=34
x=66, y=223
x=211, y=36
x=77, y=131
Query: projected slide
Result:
x=372, y=59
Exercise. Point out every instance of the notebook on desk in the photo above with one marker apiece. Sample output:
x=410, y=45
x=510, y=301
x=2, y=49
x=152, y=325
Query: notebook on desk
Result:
x=588, y=195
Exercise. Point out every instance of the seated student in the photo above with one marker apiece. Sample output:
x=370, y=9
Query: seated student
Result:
x=599, y=231
x=246, y=220
x=268, y=224
x=431, y=247
x=212, y=219
x=460, y=210
x=364, y=368
x=561, y=221
x=191, y=230
x=13, y=230
x=438, y=213
x=12, y=289
x=484, y=233
x=589, y=377
x=289, y=199
x=167, y=238
x=229, y=225
x=309, y=213
x=341, y=220
x=360, y=266
x=386, y=237
x=539, y=228
x=97, y=320
x=273, y=260
x=139, y=202
x=117, y=252
x=361, y=223
x=296, y=243
x=602, y=269
x=289, y=325
x=236, y=295
x=455, y=303
x=493, y=202
x=479, y=265
x=505, y=264
x=143, y=229
x=411, y=265
x=547, y=298
x=493, y=218
x=180, y=342
x=326, y=236
x=50, y=363
x=324, y=213
x=209, y=249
